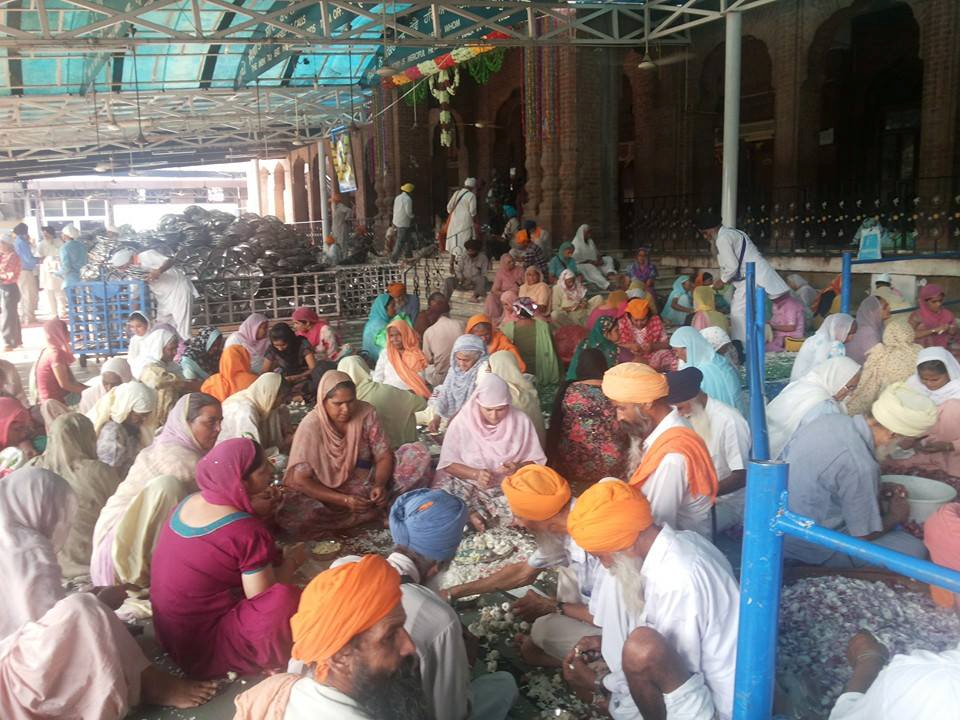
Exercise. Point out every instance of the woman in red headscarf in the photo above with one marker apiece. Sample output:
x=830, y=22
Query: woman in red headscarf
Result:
x=319, y=333
x=221, y=590
x=52, y=375
x=933, y=324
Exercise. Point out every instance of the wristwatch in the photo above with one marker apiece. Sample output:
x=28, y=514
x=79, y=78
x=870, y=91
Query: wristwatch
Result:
x=560, y=605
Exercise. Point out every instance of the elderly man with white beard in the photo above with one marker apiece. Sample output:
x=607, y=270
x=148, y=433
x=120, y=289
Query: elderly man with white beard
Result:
x=668, y=611
x=727, y=435
x=675, y=470
x=540, y=500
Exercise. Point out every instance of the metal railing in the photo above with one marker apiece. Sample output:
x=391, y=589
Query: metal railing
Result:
x=767, y=519
x=849, y=261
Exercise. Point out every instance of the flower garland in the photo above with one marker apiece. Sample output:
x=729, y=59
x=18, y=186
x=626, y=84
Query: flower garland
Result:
x=444, y=62
x=443, y=85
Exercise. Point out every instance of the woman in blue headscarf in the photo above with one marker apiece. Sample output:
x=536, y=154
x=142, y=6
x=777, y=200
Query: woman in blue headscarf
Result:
x=374, y=332
x=563, y=260
x=720, y=380
x=679, y=303
x=468, y=355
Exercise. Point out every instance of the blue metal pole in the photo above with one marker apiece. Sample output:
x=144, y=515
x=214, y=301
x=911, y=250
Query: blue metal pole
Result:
x=797, y=526
x=758, y=415
x=760, y=577
x=845, y=288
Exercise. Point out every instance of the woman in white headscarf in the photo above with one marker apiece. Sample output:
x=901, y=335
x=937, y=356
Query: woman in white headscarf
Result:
x=590, y=264
x=817, y=393
x=114, y=372
x=828, y=342
x=154, y=367
x=252, y=413
x=119, y=421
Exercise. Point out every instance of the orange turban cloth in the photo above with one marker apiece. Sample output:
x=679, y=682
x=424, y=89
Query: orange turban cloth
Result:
x=609, y=517
x=634, y=383
x=340, y=604
x=941, y=535
x=522, y=237
x=536, y=492
x=701, y=474
x=329, y=240
x=639, y=308
x=396, y=289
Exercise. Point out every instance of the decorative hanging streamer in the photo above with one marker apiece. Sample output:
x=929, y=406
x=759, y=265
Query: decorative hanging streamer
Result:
x=443, y=86
x=482, y=67
x=444, y=62
x=418, y=94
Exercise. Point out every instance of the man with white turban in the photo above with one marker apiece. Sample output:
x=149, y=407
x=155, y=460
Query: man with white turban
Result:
x=669, y=612
x=835, y=476
x=462, y=209
x=170, y=285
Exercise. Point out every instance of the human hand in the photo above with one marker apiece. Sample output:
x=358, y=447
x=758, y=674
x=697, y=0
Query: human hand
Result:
x=588, y=644
x=354, y=503
x=863, y=646
x=483, y=477
x=264, y=503
x=935, y=447
x=434, y=426
x=153, y=275
x=509, y=468
x=113, y=596
x=578, y=674
x=899, y=508
x=533, y=605
x=378, y=495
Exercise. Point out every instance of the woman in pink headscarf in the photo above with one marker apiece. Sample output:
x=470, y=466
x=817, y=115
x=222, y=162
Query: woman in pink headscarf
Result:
x=252, y=334
x=934, y=325
x=59, y=652
x=318, y=332
x=870, y=318
x=509, y=277
x=486, y=441
x=221, y=589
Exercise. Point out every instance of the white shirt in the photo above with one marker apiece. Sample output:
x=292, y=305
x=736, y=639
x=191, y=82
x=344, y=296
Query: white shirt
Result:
x=919, y=686
x=437, y=634
x=403, y=210
x=692, y=599
x=438, y=340
x=729, y=242
x=667, y=488
x=588, y=569
x=463, y=206
x=310, y=700
x=729, y=441
x=386, y=373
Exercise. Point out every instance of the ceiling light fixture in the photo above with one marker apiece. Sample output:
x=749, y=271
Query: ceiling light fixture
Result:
x=647, y=62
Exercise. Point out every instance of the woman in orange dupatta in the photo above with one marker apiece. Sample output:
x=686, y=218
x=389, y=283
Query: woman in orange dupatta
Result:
x=481, y=326
x=234, y=374
x=403, y=363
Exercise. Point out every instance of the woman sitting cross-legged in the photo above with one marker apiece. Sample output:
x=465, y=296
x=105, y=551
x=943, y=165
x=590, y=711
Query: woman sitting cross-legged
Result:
x=65, y=656
x=643, y=337
x=71, y=453
x=341, y=472
x=255, y=413
x=221, y=590
x=397, y=409
x=488, y=440
x=161, y=476
x=293, y=357
x=533, y=340
x=468, y=355
x=119, y=420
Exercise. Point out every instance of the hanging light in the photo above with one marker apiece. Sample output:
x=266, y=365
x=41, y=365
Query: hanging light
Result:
x=139, y=139
x=647, y=62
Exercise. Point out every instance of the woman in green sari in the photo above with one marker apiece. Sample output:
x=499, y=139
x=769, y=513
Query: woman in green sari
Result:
x=603, y=337
x=534, y=342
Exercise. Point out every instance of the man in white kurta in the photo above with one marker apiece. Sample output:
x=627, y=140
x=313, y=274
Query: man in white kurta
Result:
x=673, y=585
x=734, y=251
x=463, y=209
x=170, y=285
x=540, y=500
x=403, y=218
x=590, y=264
x=727, y=435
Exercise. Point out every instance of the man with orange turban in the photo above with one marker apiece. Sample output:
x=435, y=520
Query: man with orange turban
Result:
x=404, y=303
x=540, y=501
x=348, y=632
x=668, y=609
x=675, y=472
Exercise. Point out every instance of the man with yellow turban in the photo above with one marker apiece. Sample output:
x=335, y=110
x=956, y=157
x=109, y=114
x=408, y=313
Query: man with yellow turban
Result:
x=835, y=476
x=668, y=610
x=675, y=472
x=540, y=501
x=349, y=635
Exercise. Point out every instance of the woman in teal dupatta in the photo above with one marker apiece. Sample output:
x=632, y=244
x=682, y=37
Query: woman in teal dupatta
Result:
x=720, y=380
x=603, y=337
x=563, y=260
x=382, y=312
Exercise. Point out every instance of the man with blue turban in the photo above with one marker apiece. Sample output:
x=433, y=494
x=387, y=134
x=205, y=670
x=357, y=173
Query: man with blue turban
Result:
x=427, y=526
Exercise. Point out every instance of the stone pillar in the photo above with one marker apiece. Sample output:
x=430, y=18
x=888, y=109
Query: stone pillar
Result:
x=531, y=138
x=939, y=22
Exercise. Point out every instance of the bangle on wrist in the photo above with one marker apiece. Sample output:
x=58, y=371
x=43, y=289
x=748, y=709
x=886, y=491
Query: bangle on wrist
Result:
x=884, y=656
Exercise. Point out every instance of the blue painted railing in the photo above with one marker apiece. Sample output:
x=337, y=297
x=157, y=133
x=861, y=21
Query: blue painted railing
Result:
x=766, y=520
x=849, y=261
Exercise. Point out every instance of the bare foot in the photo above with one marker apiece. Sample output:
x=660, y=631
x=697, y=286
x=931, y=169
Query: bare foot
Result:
x=533, y=655
x=477, y=522
x=160, y=688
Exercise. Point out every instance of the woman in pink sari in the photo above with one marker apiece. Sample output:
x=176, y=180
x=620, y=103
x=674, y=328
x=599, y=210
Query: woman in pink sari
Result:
x=221, y=589
x=486, y=441
x=509, y=277
x=61, y=653
x=934, y=325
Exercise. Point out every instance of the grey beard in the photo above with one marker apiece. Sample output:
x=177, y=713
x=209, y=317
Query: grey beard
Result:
x=393, y=697
x=701, y=423
x=626, y=572
x=634, y=455
x=549, y=544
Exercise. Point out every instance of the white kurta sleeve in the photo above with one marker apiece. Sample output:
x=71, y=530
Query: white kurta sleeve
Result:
x=447, y=686
x=735, y=447
x=727, y=254
x=380, y=371
x=666, y=489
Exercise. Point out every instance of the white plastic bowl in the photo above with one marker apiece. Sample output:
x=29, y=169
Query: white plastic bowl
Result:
x=924, y=495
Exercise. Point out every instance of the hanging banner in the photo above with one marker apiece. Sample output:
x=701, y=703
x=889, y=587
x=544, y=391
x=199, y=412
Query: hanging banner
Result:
x=341, y=153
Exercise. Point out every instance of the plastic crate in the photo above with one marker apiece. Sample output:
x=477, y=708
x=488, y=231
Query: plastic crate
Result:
x=97, y=312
